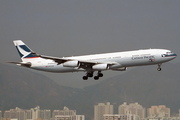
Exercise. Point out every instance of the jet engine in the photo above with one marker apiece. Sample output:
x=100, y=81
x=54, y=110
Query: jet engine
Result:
x=71, y=64
x=100, y=67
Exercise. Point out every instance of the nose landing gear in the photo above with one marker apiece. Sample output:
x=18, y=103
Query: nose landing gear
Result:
x=159, y=67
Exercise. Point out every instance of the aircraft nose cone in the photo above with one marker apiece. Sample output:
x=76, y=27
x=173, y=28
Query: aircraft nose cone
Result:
x=174, y=55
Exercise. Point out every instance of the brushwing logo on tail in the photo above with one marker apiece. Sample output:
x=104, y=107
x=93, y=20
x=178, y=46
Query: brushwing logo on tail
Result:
x=25, y=52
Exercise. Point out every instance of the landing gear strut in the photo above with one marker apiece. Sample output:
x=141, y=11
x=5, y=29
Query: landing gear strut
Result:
x=159, y=67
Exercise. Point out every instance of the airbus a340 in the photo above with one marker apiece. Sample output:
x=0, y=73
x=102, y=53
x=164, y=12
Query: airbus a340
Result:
x=117, y=61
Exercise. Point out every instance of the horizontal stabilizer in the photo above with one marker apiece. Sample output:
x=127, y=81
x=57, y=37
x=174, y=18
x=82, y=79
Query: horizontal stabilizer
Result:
x=28, y=64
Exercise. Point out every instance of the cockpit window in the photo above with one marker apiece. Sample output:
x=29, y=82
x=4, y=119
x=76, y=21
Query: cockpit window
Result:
x=168, y=53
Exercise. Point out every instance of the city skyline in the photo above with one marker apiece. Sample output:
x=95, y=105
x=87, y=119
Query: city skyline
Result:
x=102, y=111
x=35, y=113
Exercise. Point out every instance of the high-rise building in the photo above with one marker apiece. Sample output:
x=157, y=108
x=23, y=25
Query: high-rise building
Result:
x=133, y=108
x=120, y=117
x=47, y=114
x=28, y=114
x=35, y=112
x=17, y=113
x=6, y=114
x=44, y=114
x=32, y=114
x=69, y=117
x=65, y=111
x=158, y=111
x=101, y=109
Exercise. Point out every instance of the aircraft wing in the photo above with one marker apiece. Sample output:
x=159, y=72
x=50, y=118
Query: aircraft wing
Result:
x=56, y=59
x=83, y=63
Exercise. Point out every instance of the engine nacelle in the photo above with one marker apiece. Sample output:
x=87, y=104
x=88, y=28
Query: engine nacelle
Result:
x=100, y=67
x=71, y=64
x=120, y=69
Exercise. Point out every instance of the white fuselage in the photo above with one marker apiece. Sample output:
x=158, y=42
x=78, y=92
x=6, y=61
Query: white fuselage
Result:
x=122, y=59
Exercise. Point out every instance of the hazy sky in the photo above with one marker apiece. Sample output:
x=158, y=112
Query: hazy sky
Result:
x=76, y=27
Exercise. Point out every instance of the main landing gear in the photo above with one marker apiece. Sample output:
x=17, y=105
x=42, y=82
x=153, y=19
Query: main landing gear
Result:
x=159, y=67
x=90, y=74
x=99, y=74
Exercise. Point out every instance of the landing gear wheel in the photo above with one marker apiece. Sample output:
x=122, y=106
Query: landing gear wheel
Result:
x=85, y=77
x=89, y=74
x=159, y=69
x=100, y=74
x=96, y=77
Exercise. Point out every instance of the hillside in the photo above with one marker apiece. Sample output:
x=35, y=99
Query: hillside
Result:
x=23, y=88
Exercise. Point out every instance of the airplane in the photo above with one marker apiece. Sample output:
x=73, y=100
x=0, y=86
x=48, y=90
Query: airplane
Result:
x=116, y=61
